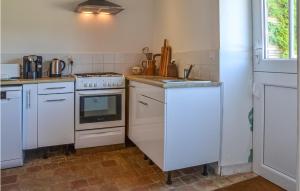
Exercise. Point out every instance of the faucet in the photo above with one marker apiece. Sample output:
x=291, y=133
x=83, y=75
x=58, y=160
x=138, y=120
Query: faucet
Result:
x=187, y=72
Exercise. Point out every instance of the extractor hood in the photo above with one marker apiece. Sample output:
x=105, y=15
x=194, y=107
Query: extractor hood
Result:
x=99, y=6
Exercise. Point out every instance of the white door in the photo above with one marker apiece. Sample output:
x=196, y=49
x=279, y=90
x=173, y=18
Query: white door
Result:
x=275, y=91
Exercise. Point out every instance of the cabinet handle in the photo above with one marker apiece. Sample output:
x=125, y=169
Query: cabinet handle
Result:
x=56, y=88
x=29, y=99
x=144, y=103
x=55, y=100
x=28, y=96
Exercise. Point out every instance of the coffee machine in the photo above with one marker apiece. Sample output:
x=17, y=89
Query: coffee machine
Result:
x=32, y=67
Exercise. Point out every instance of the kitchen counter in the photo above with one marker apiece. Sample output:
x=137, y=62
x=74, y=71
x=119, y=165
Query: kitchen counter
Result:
x=38, y=81
x=168, y=82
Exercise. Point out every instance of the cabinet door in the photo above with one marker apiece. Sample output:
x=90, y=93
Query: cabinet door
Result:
x=132, y=109
x=149, y=128
x=30, y=116
x=55, y=119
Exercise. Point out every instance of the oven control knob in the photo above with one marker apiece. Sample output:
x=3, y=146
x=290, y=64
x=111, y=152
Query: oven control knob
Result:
x=95, y=85
x=104, y=84
x=85, y=85
x=108, y=84
x=90, y=85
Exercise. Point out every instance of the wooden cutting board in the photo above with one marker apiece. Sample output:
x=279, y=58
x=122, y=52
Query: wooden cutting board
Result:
x=166, y=52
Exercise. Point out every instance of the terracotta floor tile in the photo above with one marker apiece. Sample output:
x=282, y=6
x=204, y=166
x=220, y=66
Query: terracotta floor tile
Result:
x=11, y=187
x=109, y=163
x=189, y=179
x=110, y=168
x=79, y=184
x=33, y=169
x=8, y=179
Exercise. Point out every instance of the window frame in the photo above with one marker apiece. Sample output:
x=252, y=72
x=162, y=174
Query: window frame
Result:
x=261, y=63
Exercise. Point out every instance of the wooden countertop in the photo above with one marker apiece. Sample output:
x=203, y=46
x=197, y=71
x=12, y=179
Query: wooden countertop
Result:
x=167, y=82
x=38, y=80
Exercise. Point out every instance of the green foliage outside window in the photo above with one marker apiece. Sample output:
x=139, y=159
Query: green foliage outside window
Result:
x=278, y=27
x=278, y=24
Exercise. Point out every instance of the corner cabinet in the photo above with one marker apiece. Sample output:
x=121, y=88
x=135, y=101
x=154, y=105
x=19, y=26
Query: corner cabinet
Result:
x=178, y=127
x=30, y=114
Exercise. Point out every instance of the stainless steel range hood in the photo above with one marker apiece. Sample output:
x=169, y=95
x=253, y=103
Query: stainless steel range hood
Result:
x=99, y=6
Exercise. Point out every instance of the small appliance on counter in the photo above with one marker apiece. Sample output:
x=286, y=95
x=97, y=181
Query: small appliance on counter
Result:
x=56, y=67
x=10, y=71
x=32, y=67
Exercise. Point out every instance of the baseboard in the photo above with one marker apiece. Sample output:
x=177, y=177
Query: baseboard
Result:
x=232, y=169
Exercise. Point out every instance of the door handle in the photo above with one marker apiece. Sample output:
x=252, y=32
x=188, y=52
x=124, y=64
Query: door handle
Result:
x=55, y=100
x=144, y=103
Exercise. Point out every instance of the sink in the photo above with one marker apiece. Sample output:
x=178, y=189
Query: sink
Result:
x=184, y=81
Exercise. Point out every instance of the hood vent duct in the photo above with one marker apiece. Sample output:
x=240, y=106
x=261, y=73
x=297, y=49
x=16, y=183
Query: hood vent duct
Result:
x=99, y=7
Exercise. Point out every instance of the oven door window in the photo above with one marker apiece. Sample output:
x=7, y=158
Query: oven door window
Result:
x=100, y=108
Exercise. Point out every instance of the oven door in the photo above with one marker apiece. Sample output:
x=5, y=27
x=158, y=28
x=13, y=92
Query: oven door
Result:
x=97, y=109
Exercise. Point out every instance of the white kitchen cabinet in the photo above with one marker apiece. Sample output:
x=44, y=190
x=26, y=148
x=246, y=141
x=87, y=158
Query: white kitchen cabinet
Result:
x=177, y=127
x=30, y=124
x=55, y=114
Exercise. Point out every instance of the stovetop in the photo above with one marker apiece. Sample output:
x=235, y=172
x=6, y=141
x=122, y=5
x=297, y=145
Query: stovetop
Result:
x=102, y=74
x=106, y=80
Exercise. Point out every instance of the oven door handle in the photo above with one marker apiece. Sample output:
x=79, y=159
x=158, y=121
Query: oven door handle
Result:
x=111, y=92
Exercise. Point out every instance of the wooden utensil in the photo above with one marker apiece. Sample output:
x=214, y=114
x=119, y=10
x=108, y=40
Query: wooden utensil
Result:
x=166, y=52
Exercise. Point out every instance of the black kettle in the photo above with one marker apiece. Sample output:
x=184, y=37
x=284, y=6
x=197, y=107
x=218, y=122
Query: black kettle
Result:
x=56, y=67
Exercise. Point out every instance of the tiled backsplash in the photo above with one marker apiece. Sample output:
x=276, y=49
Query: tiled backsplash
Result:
x=205, y=63
x=102, y=62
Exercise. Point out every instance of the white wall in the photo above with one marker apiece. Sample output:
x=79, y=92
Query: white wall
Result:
x=192, y=28
x=52, y=26
x=236, y=74
x=190, y=25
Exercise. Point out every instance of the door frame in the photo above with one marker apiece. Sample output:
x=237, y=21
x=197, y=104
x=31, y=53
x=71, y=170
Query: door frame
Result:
x=298, y=176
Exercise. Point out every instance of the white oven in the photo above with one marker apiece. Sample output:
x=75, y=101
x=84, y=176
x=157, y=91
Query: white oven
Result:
x=98, y=109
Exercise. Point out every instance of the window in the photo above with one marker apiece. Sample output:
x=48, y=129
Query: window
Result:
x=280, y=26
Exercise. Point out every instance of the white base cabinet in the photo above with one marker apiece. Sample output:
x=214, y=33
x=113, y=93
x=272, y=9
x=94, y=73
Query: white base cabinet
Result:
x=176, y=128
x=48, y=114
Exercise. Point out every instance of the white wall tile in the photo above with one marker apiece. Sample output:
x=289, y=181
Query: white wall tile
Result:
x=108, y=67
x=109, y=58
x=98, y=67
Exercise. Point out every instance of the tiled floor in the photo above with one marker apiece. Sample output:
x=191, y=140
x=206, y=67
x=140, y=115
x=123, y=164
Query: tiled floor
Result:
x=107, y=169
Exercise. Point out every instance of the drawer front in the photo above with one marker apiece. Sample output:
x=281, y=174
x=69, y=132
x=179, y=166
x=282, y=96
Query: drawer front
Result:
x=149, y=91
x=56, y=88
x=100, y=137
